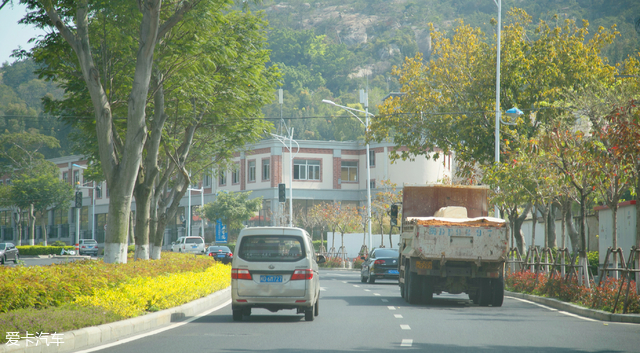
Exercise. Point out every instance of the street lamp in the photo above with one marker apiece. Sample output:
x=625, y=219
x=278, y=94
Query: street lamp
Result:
x=93, y=207
x=365, y=100
x=201, y=191
x=282, y=140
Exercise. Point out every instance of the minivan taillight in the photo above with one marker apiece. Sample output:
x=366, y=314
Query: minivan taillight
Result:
x=240, y=274
x=302, y=274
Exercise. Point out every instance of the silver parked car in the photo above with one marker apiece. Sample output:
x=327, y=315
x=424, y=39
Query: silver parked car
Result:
x=8, y=251
x=275, y=268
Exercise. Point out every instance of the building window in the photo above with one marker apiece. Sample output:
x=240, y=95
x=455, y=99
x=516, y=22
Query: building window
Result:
x=65, y=177
x=372, y=158
x=266, y=169
x=372, y=184
x=76, y=177
x=252, y=171
x=222, y=178
x=206, y=182
x=1, y=181
x=349, y=171
x=99, y=190
x=306, y=170
x=8, y=181
x=235, y=175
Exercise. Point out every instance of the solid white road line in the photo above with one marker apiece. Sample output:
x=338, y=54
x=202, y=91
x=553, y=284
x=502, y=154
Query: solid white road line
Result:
x=405, y=327
x=155, y=332
x=552, y=309
x=406, y=342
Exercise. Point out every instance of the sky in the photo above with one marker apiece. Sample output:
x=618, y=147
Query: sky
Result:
x=12, y=34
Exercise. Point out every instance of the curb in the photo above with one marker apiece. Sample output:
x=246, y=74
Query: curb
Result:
x=87, y=337
x=578, y=310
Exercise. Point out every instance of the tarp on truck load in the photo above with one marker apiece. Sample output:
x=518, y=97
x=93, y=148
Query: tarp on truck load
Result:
x=469, y=222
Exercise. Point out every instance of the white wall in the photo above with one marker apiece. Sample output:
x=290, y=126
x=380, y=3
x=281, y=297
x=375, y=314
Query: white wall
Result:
x=626, y=232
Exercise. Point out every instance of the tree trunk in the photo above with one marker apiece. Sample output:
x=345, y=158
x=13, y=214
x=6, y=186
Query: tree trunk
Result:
x=551, y=229
x=517, y=229
x=614, y=235
x=583, y=238
x=544, y=210
x=534, y=219
x=16, y=221
x=574, y=235
x=43, y=219
x=32, y=226
x=141, y=231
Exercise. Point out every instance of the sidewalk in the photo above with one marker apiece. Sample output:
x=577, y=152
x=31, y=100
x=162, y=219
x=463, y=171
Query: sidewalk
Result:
x=576, y=309
x=85, y=338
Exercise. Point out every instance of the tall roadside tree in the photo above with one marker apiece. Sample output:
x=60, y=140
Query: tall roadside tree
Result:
x=40, y=190
x=120, y=156
x=449, y=100
x=570, y=148
x=20, y=157
x=381, y=206
x=205, y=74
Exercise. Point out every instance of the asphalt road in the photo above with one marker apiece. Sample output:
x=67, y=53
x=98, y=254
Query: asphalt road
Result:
x=358, y=317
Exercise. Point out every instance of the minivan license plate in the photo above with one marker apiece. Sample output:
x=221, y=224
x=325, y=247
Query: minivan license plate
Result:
x=270, y=279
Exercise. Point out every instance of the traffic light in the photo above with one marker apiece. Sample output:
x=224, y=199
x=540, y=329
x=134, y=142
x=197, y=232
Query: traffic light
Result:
x=282, y=196
x=394, y=215
x=78, y=199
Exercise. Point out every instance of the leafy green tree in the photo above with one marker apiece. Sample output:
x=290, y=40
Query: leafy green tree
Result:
x=20, y=151
x=205, y=76
x=449, y=101
x=40, y=190
x=120, y=152
x=232, y=209
x=381, y=205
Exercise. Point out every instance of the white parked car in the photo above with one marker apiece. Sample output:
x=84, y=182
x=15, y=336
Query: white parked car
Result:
x=189, y=245
x=275, y=268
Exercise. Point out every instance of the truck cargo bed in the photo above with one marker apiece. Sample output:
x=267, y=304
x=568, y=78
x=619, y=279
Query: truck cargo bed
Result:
x=469, y=239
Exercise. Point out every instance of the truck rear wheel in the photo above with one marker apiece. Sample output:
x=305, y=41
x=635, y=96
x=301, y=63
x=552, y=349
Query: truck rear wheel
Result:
x=414, y=289
x=427, y=290
x=485, y=296
x=497, y=286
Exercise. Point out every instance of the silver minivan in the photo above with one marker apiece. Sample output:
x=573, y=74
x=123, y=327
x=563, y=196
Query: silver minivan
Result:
x=275, y=268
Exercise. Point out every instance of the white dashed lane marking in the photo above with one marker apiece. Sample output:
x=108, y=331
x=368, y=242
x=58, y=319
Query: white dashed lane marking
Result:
x=376, y=294
x=391, y=307
x=405, y=327
x=385, y=300
x=406, y=343
x=397, y=316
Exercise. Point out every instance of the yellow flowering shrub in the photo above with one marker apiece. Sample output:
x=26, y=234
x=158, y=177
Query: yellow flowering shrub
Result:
x=143, y=294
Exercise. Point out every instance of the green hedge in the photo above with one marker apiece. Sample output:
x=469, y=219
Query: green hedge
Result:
x=42, y=250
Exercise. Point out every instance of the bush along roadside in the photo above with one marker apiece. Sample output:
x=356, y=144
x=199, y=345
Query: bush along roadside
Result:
x=601, y=297
x=70, y=296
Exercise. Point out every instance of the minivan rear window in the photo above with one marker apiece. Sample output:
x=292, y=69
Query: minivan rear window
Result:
x=272, y=248
x=194, y=241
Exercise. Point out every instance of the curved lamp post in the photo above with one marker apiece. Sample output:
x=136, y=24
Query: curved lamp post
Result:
x=364, y=99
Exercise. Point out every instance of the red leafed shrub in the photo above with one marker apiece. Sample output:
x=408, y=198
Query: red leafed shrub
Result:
x=601, y=297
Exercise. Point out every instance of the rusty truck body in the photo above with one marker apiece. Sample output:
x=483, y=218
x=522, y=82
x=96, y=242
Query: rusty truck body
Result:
x=449, y=244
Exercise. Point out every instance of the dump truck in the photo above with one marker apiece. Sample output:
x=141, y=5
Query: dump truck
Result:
x=449, y=244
